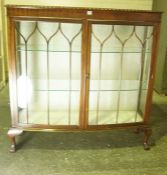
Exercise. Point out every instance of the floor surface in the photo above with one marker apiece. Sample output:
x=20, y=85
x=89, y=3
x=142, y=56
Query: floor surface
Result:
x=117, y=152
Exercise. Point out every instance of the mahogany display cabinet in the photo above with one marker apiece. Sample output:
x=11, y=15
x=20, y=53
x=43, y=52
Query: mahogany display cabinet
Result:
x=81, y=69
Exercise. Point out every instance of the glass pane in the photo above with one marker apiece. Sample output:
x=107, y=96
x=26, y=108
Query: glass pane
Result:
x=119, y=72
x=107, y=107
x=48, y=72
x=37, y=108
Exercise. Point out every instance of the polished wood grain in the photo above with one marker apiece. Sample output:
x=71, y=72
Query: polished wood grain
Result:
x=82, y=13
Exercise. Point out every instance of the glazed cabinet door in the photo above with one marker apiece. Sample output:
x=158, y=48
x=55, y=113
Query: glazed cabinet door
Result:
x=50, y=80
x=119, y=73
x=48, y=62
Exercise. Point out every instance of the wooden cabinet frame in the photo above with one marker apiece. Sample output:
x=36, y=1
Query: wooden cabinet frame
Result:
x=87, y=17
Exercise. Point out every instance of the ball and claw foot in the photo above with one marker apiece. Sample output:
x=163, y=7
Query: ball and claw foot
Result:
x=146, y=146
x=147, y=133
x=12, y=148
x=12, y=133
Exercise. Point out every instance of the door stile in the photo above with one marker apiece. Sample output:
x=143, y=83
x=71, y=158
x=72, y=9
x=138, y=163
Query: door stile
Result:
x=86, y=34
x=12, y=71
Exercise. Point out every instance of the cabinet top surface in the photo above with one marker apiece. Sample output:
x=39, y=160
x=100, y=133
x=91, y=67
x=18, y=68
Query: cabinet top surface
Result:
x=78, y=8
x=83, y=13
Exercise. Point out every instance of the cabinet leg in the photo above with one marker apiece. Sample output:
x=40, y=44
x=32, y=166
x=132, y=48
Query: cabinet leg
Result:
x=13, y=145
x=147, y=133
x=12, y=133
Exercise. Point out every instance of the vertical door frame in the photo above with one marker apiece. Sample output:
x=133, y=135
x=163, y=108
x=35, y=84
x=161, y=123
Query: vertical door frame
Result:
x=86, y=46
x=148, y=105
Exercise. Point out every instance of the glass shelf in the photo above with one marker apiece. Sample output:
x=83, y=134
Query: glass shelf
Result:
x=123, y=50
x=105, y=85
x=41, y=48
x=75, y=90
x=114, y=85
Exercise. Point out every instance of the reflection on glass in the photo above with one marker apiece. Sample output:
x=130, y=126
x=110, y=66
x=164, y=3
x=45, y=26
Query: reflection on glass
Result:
x=24, y=90
x=120, y=59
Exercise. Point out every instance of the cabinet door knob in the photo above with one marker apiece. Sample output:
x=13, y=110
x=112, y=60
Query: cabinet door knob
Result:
x=87, y=76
